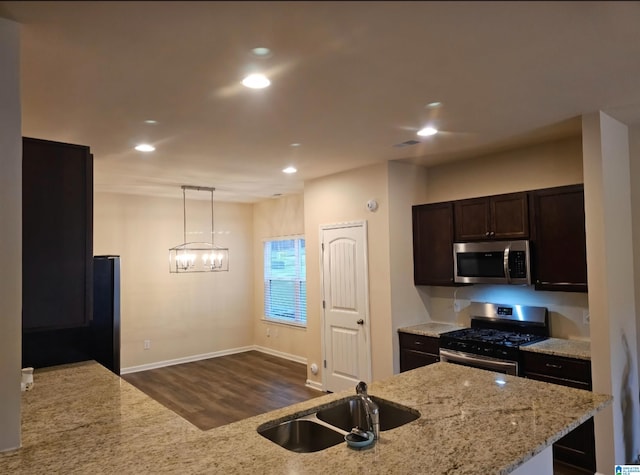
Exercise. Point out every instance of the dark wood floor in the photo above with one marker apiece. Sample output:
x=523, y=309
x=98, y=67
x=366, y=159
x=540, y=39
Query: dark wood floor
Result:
x=217, y=391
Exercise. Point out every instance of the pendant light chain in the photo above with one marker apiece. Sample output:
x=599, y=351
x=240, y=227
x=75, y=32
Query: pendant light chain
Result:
x=213, y=233
x=184, y=214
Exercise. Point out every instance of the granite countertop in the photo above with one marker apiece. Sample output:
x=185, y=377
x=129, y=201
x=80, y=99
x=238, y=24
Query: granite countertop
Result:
x=82, y=418
x=579, y=349
x=434, y=329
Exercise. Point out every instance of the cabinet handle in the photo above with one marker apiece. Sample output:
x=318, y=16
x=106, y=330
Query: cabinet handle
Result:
x=417, y=342
x=551, y=365
x=487, y=233
x=492, y=233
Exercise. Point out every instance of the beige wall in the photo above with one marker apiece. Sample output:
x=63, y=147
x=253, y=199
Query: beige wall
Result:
x=539, y=166
x=342, y=198
x=183, y=315
x=11, y=235
x=407, y=186
x=544, y=165
x=275, y=218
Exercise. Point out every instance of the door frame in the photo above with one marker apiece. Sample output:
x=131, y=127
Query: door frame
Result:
x=367, y=325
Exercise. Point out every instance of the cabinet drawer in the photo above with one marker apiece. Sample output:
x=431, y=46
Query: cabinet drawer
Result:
x=557, y=369
x=426, y=344
x=412, y=359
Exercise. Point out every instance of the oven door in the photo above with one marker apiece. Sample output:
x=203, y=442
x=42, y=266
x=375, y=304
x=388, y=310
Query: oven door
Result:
x=477, y=361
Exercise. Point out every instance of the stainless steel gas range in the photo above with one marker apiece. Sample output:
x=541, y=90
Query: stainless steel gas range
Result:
x=496, y=334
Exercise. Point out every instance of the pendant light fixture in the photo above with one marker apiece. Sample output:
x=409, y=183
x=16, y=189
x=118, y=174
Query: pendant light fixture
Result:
x=198, y=256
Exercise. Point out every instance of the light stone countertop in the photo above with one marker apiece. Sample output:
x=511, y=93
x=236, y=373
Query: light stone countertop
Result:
x=434, y=329
x=579, y=349
x=83, y=419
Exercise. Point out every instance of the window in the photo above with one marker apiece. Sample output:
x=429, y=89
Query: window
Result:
x=285, y=281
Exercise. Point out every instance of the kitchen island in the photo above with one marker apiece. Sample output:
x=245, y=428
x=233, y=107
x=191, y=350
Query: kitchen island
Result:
x=82, y=418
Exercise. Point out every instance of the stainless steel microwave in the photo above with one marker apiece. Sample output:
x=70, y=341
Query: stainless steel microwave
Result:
x=492, y=262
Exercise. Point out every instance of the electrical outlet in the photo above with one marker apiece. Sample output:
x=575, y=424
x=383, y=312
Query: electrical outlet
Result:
x=456, y=306
x=147, y=344
x=586, y=318
x=268, y=332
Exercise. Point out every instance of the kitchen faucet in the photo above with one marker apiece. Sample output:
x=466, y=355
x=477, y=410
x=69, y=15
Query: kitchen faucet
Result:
x=371, y=408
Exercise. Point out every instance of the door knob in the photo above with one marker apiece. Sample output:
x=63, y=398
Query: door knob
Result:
x=360, y=322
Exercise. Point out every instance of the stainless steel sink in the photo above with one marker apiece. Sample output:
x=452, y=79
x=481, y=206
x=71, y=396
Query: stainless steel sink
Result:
x=351, y=413
x=323, y=428
x=300, y=435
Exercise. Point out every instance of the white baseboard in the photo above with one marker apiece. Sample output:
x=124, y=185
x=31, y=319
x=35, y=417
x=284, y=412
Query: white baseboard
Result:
x=314, y=385
x=215, y=354
x=281, y=354
x=186, y=359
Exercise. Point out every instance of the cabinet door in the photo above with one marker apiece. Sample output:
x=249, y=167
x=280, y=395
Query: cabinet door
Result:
x=57, y=239
x=509, y=216
x=558, y=241
x=472, y=218
x=433, y=244
x=492, y=217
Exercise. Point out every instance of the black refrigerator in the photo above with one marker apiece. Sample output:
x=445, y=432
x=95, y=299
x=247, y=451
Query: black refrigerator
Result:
x=105, y=326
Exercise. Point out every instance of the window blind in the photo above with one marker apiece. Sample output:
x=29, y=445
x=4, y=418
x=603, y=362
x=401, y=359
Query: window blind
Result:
x=285, y=281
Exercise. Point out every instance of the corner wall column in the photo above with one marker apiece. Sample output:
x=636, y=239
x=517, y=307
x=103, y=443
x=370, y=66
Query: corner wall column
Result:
x=614, y=352
x=10, y=235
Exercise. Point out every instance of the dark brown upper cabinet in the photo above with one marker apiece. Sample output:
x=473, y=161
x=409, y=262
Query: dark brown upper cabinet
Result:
x=492, y=217
x=57, y=235
x=433, y=244
x=558, y=242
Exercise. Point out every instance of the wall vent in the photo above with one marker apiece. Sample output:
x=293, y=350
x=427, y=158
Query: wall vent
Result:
x=406, y=143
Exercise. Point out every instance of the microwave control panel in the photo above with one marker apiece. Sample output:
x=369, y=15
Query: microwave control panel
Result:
x=518, y=264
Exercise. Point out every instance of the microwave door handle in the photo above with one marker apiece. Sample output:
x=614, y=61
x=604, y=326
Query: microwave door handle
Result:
x=507, y=274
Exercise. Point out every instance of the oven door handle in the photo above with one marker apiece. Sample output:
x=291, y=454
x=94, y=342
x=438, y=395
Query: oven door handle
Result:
x=509, y=367
x=505, y=263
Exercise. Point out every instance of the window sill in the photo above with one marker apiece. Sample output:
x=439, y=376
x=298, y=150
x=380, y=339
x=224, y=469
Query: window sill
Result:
x=284, y=323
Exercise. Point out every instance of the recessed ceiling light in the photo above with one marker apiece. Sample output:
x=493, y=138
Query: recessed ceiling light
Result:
x=427, y=131
x=261, y=51
x=295, y=144
x=433, y=105
x=151, y=121
x=290, y=170
x=145, y=147
x=256, y=81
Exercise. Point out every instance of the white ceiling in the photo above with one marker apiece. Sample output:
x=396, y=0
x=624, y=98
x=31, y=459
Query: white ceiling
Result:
x=349, y=80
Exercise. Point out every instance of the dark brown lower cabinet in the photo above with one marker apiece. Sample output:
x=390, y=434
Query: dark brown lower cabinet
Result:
x=578, y=447
x=417, y=351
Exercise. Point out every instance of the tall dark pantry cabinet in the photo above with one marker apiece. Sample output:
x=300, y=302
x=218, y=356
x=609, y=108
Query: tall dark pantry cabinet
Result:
x=57, y=252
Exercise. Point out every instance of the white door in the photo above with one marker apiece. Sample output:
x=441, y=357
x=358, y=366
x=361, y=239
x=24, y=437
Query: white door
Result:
x=346, y=329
